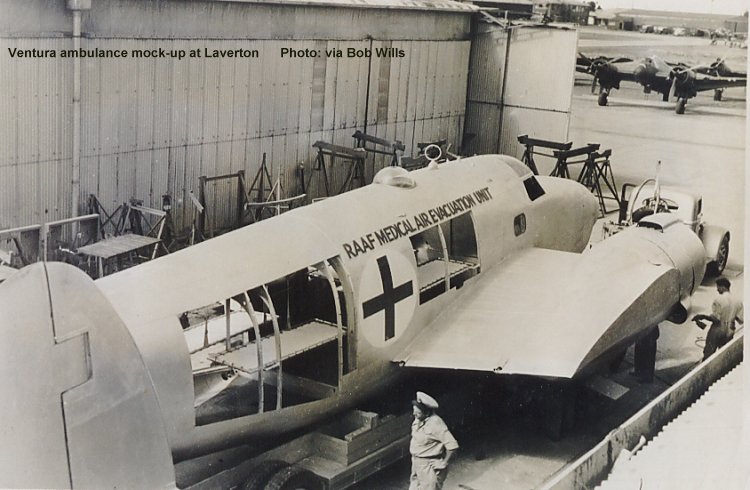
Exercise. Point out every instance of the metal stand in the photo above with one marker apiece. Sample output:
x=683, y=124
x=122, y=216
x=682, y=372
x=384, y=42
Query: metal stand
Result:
x=530, y=151
x=271, y=200
x=355, y=157
x=207, y=209
x=395, y=148
x=563, y=156
x=262, y=176
x=597, y=169
x=422, y=160
x=115, y=218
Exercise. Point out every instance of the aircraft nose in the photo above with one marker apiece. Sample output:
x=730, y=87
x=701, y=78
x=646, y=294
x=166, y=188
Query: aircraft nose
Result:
x=589, y=206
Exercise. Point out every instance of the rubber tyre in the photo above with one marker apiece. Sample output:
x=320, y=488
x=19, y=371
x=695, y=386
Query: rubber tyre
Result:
x=716, y=267
x=680, y=107
x=717, y=95
x=602, y=100
x=262, y=474
x=295, y=478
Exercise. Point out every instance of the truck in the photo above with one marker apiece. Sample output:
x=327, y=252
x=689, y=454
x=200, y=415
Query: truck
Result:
x=639, y=201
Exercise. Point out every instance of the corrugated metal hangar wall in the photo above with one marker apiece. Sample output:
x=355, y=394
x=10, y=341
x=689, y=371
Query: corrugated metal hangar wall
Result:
x=152, y=126
x=521, y=82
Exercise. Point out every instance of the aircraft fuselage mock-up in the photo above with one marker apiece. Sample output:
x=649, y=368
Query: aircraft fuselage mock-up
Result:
x=476, y=265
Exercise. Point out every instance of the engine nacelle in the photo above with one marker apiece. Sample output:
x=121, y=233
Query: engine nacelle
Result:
x=677, y=245
x=685, y=83
x=661, y=239
x=608, y=75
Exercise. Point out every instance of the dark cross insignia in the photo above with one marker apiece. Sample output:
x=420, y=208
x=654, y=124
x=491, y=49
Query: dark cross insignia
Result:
x=387, y=301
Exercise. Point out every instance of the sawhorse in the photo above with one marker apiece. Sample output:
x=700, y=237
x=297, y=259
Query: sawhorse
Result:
x=116, y=219
x=395, y=148
x=561, y=166
x=532, y=143
x=597, y=169
x=356, y=156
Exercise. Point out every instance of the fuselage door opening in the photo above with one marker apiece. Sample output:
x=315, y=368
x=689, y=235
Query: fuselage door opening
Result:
x=446, y=256
x=277, y=345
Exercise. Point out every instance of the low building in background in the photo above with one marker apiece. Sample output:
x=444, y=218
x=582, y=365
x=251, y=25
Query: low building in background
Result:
x=664, y=22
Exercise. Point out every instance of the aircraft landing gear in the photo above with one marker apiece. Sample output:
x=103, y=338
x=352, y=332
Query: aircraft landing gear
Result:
x=603, y=95
x=560, y=409
x=718, y=93
x=680, y=107
x=645, y=356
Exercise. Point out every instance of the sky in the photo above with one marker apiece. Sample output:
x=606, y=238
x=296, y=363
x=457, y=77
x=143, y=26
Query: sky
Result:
x=728, y=7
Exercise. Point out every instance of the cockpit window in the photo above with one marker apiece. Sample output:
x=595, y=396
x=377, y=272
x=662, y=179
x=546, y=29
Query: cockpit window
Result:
x=533, y=188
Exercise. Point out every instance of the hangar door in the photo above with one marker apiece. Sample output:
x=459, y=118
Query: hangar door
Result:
x=520, y=82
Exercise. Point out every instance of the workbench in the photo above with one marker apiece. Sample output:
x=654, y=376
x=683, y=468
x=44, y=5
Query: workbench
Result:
x=116, y=247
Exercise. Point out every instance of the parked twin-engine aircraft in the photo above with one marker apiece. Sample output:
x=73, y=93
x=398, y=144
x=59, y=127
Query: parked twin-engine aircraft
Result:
x=589, y=65
x=671, y=80
x=720, y=68
x=475, y=264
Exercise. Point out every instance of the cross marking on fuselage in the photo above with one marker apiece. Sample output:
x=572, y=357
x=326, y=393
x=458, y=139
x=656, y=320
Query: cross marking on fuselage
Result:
x=386, y=302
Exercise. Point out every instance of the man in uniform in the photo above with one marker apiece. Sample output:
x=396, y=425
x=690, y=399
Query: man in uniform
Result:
x=432, y=445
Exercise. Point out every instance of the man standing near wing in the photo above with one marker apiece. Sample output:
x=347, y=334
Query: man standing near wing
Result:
x=725, y=312
x=432, y=445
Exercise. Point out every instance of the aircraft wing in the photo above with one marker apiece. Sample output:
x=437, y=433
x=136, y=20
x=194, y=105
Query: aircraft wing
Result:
x=708, y=82
x=544, y=313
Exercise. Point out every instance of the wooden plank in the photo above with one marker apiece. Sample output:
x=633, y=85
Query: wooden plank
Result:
x=111, y=247
x=333, y=448
x=372, y=440
x=361, y=469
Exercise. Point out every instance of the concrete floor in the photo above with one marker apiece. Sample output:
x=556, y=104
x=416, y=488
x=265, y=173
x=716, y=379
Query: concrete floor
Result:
x=704, y=149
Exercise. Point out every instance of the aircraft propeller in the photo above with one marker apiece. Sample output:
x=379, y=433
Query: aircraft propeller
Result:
x=717, y=67
x=672, y=89
x=678, y=75
x=600, y=67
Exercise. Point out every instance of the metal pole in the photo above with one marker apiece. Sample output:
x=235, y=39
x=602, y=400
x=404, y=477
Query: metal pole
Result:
x=76, y=179
x=227, y=315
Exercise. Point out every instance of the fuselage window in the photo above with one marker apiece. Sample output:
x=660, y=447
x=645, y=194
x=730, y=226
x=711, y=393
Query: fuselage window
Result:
x=533, y=188
x=519, y=224
x=280, y=344
x=446, y=256
x=429, y=253
x=461, y=245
